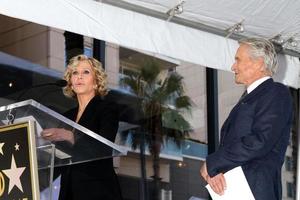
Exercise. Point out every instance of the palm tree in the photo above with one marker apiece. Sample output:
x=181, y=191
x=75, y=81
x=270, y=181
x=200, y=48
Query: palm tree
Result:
x=162, y=103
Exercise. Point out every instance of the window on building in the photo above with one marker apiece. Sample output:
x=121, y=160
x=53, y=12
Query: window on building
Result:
x=131, y=61
x=288, y=163
x=290, y=189
x=73, y=44
x=88, y=51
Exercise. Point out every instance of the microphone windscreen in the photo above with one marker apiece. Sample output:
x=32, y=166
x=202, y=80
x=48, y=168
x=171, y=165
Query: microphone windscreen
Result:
x=61, y=83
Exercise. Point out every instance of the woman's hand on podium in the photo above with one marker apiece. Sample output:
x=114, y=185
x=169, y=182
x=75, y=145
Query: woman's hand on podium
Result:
x=58, y=134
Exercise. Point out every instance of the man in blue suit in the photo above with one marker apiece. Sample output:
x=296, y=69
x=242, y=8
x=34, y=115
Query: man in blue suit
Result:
x=256, y=133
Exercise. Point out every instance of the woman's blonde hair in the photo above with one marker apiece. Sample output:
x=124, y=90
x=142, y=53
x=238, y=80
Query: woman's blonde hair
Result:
x=100, y=75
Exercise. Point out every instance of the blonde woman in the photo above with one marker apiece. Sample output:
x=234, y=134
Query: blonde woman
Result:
x=86, y=81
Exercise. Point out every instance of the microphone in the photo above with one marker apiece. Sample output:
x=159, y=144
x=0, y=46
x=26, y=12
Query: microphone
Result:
x=61, y=83
x=58, y=83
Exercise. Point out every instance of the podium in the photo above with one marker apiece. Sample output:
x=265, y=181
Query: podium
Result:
x=28, y=161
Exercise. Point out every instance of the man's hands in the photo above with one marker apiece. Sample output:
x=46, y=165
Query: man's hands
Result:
x=217, y=183
x=58, y=134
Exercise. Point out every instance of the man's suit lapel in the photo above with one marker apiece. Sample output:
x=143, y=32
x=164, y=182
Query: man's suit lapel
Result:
x=254, y=94
x=258, y=90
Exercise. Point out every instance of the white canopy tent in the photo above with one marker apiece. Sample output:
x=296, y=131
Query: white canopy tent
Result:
x=128, y=24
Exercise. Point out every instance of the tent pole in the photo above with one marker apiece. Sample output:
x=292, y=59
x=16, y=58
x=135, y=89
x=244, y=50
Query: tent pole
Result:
x=298, y=155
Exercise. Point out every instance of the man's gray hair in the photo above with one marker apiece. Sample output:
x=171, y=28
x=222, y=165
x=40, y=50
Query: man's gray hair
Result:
x=262, y=48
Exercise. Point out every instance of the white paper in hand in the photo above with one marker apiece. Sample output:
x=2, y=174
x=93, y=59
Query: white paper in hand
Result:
x=237, y=187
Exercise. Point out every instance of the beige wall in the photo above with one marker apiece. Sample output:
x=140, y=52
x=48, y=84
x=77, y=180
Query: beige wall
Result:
x=195, y=81
x=56, y=49
x=32, y=42
x=112, y=64
x=229, y=94
x=195, y=85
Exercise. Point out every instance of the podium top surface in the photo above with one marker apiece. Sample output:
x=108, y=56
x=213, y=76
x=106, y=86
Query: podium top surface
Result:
x=87, y=146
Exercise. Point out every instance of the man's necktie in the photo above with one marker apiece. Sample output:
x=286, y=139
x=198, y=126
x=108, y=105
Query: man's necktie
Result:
x=243, y=95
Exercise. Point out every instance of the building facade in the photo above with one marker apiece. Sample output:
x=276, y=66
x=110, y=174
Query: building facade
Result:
x=179, y=168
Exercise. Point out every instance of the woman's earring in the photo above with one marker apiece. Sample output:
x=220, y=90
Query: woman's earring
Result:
x=95, y=87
